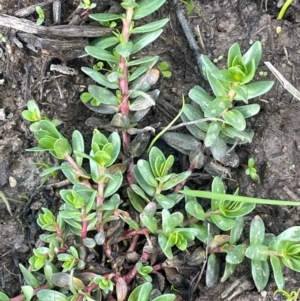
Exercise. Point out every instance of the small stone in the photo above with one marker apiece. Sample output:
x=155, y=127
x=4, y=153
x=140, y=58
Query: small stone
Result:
x=264, y=294
x=12, y=182
x=2, y=114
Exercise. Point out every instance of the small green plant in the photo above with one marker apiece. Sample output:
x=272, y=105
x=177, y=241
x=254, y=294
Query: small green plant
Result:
x=163, y=67
x=191, y=6
x=2, y=38
x=292, y=296
x=41, y=15
x=251, y=170
x=219, y=120
x=283, y=9
x=218, y=59
x=87, y=4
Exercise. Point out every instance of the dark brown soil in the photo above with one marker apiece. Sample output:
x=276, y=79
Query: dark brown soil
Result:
x=275, y=148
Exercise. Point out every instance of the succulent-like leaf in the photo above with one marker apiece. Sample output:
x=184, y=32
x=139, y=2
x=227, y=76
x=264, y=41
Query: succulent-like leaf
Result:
x=217, y=107
x=99, y=78
x=124, y=49
x=228, y=271
x=212, y=270
x=236, y=255
x=277, y=271
x=235, y=118
x=257, y=252
x=237, y=230
x=114, y=184
x=105, y=17
x=103, y=95
x=101, y=54
x=258, y=88
x=145, y=39
x=257, y=231
x=105, y=42
x=50, y=295
x=152, y=26
x=200, y=96
x=150, y=190
x=260, y=273
x=143, y=60
x=195, y=209
x=212, y=133
x=146, y=8
x=233, y=53
x=253, y=53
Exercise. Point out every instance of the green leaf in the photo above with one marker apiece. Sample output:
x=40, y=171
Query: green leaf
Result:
x=212, y=133
x=260, y=273
x=103, y=95
x=243, y=136
x=144, y=59
x=176, y=180
x=149, y=221
x=241, y=93
x=235, y=118
x=145, y=39
x=105, y=42
x=101, y=54
x=77, y=145
x=229, y=269
x=99, y=78
x=62, y=148
x=253, y=53
x=249, y=110
x=141, y=292
x=236, y=256
x=105, y=17
x=217, y=187
x=165, y=297
x=152, y=26
x=136, y=200
x=156, y=159
x=46, y=125
x=163, y=243
x=233, y=53
x=195, y=209
x=150, y=190
x=257, y=252
x=237, y=230
x=114, y=184
x=4, y=297
x=257, y=231
x=222, y=222
x=29, y=278
x=217, y=107
x=146, y=8
x=201, y=97
x=28, y=292
x=277, y=271
x=251, y=68
x=164, y=201
x=124, y=49
x=212, y=270
x=146, y=172
x=50, y=295
x=258, y=88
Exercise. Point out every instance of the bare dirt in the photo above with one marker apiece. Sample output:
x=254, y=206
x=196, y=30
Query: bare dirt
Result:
x=276, y=145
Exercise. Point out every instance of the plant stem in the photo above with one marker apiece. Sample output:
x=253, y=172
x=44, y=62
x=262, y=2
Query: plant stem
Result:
x=36, y=290
x=123, y=82
x=284, y=8
x=77, y=169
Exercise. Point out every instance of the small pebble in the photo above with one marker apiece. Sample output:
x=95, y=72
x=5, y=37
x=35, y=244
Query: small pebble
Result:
x=2, y=114
x=12, y=182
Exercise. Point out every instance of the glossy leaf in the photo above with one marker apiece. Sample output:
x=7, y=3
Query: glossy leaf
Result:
x=236, y=255
x=176, y=180
x=217, y=107
x=222, y=222
x=218, y=187
x=212, y=270
x=165, y=297
x=105, y=17
x=235, y=118
x=101, y=54
x=233, y=53
x=164, y=201
x=212, y=133
x=242, y=136
x=253, y=53
x=152, y=26
x=241, y=93
x=257, y=252
x=201, y=97
x=62, y=148
x=143, y=60
x=195, y=209
x=150, y=190
x=257, y=231
x=145, y=39
x=260, y=273
x=50, y=295
x=136, y=200
x=277, y=271
x=103, y=95
x=141, y=292
x=146, y=8
x=146, y=172
x=99, y=78
x=29, y=278
x=228, y=271
x=124, y=49
x=258, y=88
x=114, y=184
x=77, y=145
x=249, y=110
x=237, y=230
x=105, y=42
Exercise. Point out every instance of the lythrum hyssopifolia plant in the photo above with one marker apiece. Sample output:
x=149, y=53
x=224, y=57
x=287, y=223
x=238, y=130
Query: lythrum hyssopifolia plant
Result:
x=220, y=120
x=109, y=243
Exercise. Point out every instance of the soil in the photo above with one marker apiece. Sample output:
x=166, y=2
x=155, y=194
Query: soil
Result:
x=275, y=148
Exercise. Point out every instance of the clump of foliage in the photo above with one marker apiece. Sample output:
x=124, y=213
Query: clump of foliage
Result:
x=108, y=242
x=41, y=15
